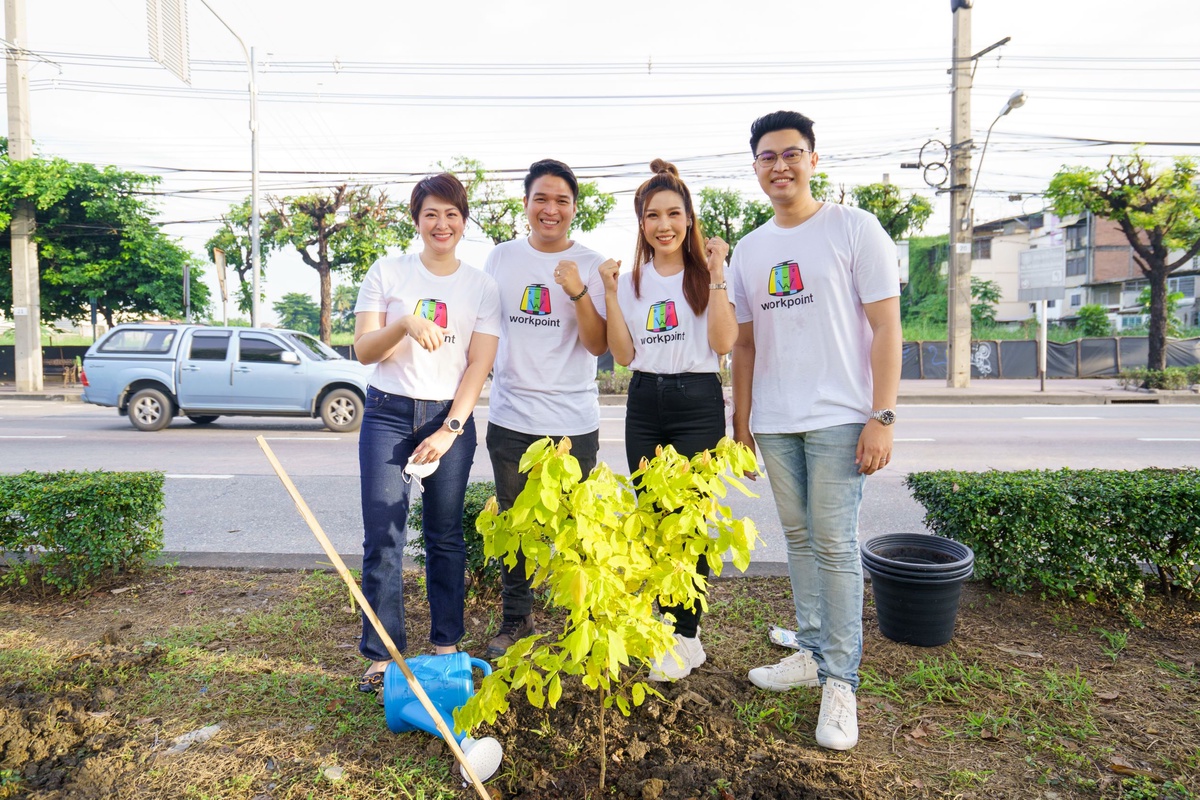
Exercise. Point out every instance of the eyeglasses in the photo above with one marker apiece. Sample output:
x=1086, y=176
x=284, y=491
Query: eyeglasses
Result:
x=789, y=156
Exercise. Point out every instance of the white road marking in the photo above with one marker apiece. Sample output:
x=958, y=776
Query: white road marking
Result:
x=1168, y=440
x=197, y=477
x=915, y=440
x=1057, y=419
x=612, y=440
x=33, y=437
x=303, y=438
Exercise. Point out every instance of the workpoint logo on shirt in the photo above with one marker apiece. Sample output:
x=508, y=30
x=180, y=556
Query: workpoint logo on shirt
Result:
x=535, y=301
x=662, y=317
x=784, y=282
x=432, y=310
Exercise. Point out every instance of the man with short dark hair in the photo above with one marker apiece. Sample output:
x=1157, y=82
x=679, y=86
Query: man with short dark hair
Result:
x=816, y=371
x=544, y=384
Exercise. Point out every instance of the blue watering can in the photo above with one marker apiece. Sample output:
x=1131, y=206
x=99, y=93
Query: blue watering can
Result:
x=450, y=683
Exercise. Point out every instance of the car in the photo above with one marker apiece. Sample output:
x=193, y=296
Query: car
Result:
x=153, y=373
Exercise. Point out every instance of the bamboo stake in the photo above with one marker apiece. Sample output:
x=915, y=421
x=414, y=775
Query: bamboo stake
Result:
x=417, y=690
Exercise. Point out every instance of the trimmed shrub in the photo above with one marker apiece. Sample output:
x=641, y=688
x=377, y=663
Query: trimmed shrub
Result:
x=615, y=382
x=1169, y=378
x=484, y=572
x=69, y=528
x=1071, y=532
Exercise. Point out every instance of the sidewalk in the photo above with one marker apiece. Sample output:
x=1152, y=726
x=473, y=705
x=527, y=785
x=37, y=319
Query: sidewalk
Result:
x=982, y=391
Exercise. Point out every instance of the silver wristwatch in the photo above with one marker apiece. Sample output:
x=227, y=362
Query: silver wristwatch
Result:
x=885, y=416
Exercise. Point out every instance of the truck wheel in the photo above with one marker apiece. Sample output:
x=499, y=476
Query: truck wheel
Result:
x=150, y=410
x=204, y=419
x=341, y=411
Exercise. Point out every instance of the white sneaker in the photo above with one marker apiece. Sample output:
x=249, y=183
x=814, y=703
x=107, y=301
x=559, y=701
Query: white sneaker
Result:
x=837, y=726
x=691, y=654
x=798, y=669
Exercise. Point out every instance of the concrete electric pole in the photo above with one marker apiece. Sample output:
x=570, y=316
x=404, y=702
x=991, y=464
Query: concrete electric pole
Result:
x=27, y=296
x=958, y=301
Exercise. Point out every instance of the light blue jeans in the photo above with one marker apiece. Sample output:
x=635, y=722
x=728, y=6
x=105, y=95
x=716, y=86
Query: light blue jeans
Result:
x=818, y=491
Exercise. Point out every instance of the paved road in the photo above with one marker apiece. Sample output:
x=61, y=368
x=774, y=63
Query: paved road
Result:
x=222, y=497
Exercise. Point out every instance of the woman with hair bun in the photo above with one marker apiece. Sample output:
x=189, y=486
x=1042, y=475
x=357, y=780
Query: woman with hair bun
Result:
x=670, y=319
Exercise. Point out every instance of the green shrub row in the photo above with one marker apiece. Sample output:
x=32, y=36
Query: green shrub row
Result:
x=69, y=528
x=1169, y=378
x=484, y=572
x=1071, y=532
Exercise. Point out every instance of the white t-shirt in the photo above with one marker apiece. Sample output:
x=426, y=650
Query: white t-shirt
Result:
x=545, y=379
x=668, y=337
x=804, y=290
x=464, y=302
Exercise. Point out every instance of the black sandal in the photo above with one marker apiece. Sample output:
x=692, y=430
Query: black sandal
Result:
x=371, y=681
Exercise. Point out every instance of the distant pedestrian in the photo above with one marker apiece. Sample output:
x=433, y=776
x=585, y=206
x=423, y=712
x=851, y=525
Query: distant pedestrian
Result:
x=552, y=330
x=670, y=319
x=816, y=370
x=431, y=325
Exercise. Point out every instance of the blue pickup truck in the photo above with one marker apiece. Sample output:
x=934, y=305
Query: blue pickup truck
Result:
x=151, y=373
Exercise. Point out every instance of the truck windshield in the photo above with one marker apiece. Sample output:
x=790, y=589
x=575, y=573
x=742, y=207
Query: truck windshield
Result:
x=316, y=349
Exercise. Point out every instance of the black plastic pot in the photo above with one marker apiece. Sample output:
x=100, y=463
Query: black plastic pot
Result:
x=917, y=580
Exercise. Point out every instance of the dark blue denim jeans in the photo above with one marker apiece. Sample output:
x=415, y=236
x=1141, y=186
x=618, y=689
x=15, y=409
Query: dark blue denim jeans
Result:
x=686, y=411
x=505, y=448
x=393, y=426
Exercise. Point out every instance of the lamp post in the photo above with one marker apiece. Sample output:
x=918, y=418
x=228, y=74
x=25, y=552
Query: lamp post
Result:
x=254, y=216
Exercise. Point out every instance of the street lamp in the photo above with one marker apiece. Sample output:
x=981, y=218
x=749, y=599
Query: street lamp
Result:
x=1015, y=100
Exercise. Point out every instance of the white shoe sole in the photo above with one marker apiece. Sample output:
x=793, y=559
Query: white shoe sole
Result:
x=770, y=686
x=660, y=677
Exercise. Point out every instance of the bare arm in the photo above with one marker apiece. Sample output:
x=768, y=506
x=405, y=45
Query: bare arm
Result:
x=722, y=322
x=593, y=331
x=619, y=340
x=743, y=382
x=375, y=339
x=875, y=444
x=481, y=353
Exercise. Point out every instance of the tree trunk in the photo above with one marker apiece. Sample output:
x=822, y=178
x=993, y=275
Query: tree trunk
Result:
x=1158, y=318
x=326, y=292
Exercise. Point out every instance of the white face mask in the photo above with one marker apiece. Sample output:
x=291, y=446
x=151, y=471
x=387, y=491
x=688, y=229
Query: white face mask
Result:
x=419, y=471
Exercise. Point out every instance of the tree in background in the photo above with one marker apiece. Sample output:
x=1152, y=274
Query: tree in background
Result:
x=299, y=312
x=1174, y=323
x=344, y=229
x=234, y=238
x=501, y=217
x=926, y=254
x=96, y=238
x=986, y=294
x=1158, y=211
x=344, y=299
x=899, y=215
x=725, y=213
x=1093, y=321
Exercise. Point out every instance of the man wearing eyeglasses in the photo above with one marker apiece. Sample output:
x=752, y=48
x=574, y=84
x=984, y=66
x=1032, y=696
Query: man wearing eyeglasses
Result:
x=816, y=370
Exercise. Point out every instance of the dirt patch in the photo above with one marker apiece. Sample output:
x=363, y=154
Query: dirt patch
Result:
x=1031, y=699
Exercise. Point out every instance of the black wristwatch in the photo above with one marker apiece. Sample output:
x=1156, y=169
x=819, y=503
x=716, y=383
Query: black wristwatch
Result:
x=455, y=426
x=885, y=416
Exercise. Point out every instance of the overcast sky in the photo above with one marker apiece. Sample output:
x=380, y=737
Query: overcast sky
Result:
x=378, y=92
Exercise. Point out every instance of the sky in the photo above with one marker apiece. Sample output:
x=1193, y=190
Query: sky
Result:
x=377, y=92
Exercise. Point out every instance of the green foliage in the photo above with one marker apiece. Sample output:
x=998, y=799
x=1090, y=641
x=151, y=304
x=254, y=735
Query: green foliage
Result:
x=1093, y=321
x=1141, y=787
x=931, y=309
x=1173, y=322
x=342, y=308
x=79, y=525
x=484, y=571
x=986, y=295
x=233, y=237
x=1071, y=532
x=96, y=237
x=1158, y=210
x=605, y=555
x=724, y=213
x=299, y=312
x=615, y=382
x=1169, y=378
x=897, y=214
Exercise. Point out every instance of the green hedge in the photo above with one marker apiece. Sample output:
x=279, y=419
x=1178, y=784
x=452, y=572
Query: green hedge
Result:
x=1071, y=532
x=78, y=525
x=1169, y=378
x=485, y=574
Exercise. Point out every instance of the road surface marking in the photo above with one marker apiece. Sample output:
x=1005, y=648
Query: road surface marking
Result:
x=197, y=477
x=303, y=438
x=1169, y=440
x=1057, y=419
x=33, y=437
x=612, y=440
x=914, y=440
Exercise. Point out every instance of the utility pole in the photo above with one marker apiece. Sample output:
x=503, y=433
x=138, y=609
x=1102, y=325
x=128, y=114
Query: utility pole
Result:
x=958, y=301
x=27, y=296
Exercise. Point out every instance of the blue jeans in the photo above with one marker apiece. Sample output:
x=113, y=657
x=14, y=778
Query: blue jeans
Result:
x=686, y=411
x=818, y=491
x=392, y=428
x=505, y=448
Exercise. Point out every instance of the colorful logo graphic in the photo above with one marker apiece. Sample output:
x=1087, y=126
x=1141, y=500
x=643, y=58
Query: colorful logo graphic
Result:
x=536, y=300
x=662, y=317
x=785, y=279
x=432, y=310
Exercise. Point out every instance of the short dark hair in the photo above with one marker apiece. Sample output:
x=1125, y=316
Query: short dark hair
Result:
x=445, y=187
x=781, y=121
x=548, y=166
